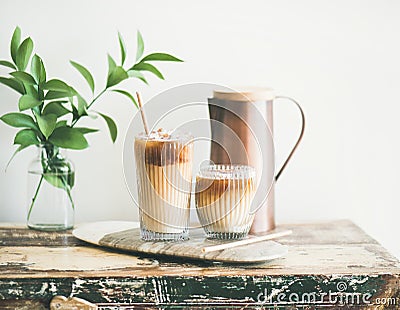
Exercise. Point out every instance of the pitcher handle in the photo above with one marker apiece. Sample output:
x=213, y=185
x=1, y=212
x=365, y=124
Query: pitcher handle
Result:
x=303, y=122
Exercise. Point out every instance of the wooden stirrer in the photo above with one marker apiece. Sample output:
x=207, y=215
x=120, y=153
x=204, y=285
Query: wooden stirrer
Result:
x=146, y=128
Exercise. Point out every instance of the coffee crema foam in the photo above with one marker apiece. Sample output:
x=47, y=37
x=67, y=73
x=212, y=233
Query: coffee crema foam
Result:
x=163, y=147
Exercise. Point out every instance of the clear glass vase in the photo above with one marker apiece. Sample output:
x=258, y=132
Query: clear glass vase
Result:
x=50, y=181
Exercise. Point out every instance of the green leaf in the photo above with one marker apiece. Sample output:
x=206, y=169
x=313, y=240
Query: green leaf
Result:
x=148, y=67
x=23, y=77
x=68, y=138
x=26, y=137
x=60, y=175
x=71, y=181
x=60, y=179
x=16, y=119
x=137, y=74
x=24, y=54
x=124, y=92
x=27, y=102
x=85, y=73
x=15, y=41
x=56, y=107
x=61, y=124
x=85, y=130
x=32, y=91
x=116, y=76
x=122, y=47
x=160, y=57
x=37, y=69
x=47, y=123
x=57, y=180
x=82, y=106
x=57, y=85
x=140, y=46
x=112, y=127
x=51, y=95
x=19, y=149
x=111, y=64
x=75, y=114
x=8, y=64
x=14, y=84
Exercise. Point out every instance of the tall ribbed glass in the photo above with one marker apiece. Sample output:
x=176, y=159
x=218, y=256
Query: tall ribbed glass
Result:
x=224, y=195
x=164, y=176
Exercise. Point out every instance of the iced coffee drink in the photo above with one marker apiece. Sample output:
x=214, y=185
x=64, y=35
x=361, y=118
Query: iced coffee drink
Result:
x=224, y=195
x=164, y=175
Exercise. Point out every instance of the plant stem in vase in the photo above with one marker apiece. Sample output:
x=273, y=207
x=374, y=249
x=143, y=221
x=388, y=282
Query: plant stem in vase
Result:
x=52, y=206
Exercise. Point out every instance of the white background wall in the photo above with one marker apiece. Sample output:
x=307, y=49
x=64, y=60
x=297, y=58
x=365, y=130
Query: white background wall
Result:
x=340, y=59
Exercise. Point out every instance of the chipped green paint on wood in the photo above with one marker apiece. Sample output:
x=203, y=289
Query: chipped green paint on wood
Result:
x=246, y=290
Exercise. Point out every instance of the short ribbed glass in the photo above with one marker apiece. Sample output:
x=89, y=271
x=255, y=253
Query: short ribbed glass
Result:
x=224, y=195
x=164, y=178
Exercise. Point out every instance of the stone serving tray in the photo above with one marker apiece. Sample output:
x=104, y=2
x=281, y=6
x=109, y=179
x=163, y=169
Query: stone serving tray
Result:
x=126, y=236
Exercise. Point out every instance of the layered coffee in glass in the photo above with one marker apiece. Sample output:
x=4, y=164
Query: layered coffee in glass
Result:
x=224, y=196
x=164, y=174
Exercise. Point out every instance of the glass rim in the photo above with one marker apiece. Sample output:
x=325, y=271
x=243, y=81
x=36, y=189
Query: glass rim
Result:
x=226, y=172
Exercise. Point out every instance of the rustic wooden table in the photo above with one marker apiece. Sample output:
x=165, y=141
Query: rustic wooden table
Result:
x=332, y=264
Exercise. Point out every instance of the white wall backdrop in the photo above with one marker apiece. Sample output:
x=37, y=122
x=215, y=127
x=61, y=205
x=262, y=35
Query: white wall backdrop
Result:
x=339, y=59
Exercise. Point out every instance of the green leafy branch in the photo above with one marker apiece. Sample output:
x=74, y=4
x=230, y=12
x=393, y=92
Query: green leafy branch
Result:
x=55, y=106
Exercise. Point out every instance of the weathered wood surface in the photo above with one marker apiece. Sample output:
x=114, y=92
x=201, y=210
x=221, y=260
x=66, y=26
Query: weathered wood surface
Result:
x=19, y=235
x=335, y=257
x=115, y=235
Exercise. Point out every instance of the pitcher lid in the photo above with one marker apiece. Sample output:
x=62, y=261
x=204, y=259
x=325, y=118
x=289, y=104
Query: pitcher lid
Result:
x=245, y=94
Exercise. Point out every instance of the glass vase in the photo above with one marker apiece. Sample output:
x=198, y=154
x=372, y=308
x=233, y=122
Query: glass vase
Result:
x=50, y=181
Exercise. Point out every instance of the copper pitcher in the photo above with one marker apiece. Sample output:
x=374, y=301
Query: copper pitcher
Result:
x=242, y=133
